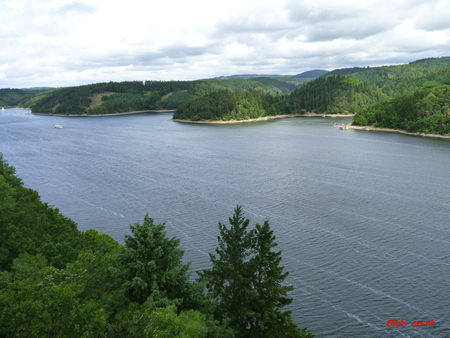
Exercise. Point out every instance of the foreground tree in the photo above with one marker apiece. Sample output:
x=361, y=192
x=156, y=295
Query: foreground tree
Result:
x=153, y=263
x=246, y=279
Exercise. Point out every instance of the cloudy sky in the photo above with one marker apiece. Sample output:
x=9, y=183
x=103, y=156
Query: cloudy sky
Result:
x=74, y=42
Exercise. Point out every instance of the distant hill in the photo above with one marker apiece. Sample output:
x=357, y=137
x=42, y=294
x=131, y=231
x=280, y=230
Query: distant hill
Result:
x=348, y=71
x=10, y=97
x=118, y=97
x=312, y=74
x=246, y=76
x=36, y=88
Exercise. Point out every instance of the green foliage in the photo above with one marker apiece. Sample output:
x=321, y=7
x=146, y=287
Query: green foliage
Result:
x=426, y=111
x=129, y=96
x=166, y=323
x=29, y=225
x=153, y=265
x=58, y=282
x=35, y=303
x=10, y=97
x=246, y=279
x=19, y=97
x=334, y=95
x=99, y=110
x=137, y=95
x=227, y=105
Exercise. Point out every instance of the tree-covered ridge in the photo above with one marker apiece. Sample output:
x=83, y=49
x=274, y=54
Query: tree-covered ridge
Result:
x=401, y=79
x=227, y=105
x=331, y=94
x=11, y=97
x=56, y=281
x=28, y=225
x=334, y=94
x=426, y=110
x=338, y=94
x=130, y=96
x=144, y=95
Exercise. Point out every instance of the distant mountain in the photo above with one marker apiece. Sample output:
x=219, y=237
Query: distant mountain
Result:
x=312, y=74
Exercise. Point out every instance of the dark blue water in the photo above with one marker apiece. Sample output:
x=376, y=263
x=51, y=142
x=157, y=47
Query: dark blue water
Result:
x=362, y=217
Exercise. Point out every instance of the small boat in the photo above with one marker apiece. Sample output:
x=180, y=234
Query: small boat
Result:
x=324, y=115
x=3, y=109
x=58, y=126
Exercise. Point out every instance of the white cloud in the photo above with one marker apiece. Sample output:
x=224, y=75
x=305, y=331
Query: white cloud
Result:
x=66, y=42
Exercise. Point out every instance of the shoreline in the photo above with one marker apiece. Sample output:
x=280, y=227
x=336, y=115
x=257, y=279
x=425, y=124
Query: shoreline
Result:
x=264, y=118
x=113, y=114
x=399, y=131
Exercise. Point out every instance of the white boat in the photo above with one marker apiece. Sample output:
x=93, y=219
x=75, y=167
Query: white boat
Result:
x=3, y=109
x=58, y=126
x=324, y=115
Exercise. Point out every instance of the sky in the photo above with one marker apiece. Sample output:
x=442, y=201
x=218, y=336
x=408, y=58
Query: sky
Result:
x=60, y=43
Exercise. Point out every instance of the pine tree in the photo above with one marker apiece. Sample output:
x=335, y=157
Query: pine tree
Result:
x=153, y=263
x=229, y=280
x=245, y=281
x=269, y=320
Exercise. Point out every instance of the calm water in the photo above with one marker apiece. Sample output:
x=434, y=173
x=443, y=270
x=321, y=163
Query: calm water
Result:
x=362, y=217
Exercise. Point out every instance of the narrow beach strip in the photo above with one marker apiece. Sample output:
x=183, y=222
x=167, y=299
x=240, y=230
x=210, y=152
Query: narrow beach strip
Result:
x=264, y=118
x=400, y=131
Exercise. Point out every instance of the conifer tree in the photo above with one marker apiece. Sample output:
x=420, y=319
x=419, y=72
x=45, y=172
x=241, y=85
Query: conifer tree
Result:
x=229, y=280
x=245, y=281
x=153, y=263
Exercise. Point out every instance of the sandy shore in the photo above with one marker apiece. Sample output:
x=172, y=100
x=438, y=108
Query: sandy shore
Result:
x=115, y=114
x=387, y=130
x=265, y=118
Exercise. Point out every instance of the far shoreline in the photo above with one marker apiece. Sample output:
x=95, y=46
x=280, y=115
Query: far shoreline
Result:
x=113, y=114
x=399, y=131
x=264, y=118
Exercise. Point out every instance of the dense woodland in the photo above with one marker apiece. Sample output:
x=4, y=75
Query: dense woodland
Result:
x=412, y=97
x=11, y=97
x=144, y=95
x=57, y=281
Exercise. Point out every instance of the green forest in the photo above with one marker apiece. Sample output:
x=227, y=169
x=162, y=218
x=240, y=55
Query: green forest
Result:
x=119, y=97
x=58, y=281
x=412, y=97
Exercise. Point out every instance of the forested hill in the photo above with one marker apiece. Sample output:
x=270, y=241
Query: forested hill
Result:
x=57, y=281
x=401, y=79
x=11, y=97
x=338, y=94
x=114, y=97
x=365, y=91
x=426, y=110
x=419, y=97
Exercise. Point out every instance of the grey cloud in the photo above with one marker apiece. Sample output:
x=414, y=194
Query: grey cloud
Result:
x=313, y=13
x=353, y=29
x=433, y=25
x=77, y=7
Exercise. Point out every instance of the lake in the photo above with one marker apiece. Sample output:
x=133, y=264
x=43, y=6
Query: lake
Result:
x=362, y=217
